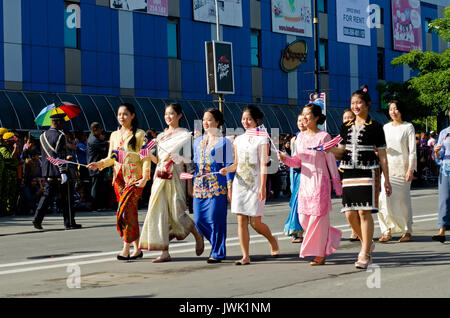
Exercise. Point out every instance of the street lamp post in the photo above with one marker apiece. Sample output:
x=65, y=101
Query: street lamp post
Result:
x=316, y=47
x=221, y=98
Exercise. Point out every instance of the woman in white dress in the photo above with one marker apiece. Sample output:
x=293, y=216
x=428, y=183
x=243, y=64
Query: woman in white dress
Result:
x=395, y=214
x=249, y=185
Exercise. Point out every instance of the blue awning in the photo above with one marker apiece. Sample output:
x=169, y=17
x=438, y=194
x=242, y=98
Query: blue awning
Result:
x=18, y=110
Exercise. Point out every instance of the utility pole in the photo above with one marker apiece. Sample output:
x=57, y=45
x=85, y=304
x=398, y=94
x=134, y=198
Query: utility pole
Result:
x=316, y=47
x=221, y=98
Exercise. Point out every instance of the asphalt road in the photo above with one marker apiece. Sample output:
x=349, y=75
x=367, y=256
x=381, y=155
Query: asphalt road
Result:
x=82, y=263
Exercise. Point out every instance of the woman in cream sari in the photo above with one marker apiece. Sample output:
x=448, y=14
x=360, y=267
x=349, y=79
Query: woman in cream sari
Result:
x=166, y=217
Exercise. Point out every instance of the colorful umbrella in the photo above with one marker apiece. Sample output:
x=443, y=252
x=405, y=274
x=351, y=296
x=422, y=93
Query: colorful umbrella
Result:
x=71, y=111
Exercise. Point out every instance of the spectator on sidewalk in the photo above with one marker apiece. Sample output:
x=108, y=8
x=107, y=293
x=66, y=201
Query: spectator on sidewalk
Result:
x=9, y=153
x=97, y=149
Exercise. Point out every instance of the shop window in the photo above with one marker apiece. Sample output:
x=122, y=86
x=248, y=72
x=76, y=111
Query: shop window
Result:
x=173, y=50
x=254, y=48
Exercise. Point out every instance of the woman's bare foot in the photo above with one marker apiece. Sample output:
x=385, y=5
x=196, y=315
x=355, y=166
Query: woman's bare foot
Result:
x=243, y=261
x=275, y=250
x=164, y=257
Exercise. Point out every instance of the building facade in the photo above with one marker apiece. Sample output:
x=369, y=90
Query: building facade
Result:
x=100, y=53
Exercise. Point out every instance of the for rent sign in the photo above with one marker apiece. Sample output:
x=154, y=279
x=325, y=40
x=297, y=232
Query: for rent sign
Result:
x=352, y=18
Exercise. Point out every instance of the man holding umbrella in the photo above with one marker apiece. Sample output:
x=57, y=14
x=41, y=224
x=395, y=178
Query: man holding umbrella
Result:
x=53, y=144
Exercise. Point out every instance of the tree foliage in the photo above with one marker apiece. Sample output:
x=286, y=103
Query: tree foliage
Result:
x=433, y=81
x=442, y=26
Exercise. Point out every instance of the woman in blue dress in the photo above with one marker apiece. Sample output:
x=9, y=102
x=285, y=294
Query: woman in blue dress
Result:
x=292, y=226
x=212, y=152
x=442, y=154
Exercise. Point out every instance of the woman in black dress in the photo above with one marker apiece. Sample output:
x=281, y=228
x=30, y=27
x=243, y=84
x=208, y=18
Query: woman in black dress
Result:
x=362, y=137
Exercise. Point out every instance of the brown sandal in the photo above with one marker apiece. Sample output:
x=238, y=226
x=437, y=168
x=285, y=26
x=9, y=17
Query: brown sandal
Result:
x=405, y=238
x=318, y=261
x=385, y=238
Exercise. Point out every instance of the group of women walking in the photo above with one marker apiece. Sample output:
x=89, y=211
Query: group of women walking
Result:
x=223, y=171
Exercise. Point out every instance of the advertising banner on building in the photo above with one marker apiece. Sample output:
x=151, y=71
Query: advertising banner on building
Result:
x=406, y=25
x=292, y=17
x=219, y=67
x=351, y=23
x=129, y=5
x=157, y=7
x=230, y=11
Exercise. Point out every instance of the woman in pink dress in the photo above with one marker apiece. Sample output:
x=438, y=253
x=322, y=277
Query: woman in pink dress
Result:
x=314, y=196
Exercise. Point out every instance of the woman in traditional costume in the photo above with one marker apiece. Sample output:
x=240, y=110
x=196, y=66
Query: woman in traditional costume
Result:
x=361, y=138
x=166, y=217
x=314, y=196
x=292, y=226
x=395, y=215
x=130, y=176
x=212, y=152
x=249, y=184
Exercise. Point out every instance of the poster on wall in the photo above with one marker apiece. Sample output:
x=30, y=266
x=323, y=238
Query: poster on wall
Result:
x=157, y=7
x=129, y=5
x=230, y=11
x=292, y=17
x=351, y=23
x=406, y=25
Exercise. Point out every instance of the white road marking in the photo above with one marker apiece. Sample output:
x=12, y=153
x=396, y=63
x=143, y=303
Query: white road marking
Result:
x=175, y=249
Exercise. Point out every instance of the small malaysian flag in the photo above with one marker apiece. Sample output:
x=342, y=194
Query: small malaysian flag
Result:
x=332, y=143
x=186, y=176
x=118, y=155
x=146, y=148
x=258, y=131
x=56, y=161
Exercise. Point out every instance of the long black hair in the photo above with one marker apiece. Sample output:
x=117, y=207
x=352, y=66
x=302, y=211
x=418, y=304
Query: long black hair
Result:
x=134, y=123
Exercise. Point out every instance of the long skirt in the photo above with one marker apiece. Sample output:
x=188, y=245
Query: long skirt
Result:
x=292, y=226
x=320, y=239
x=395, y=211
x=210, y=216
x=444, y=201
x=127, y=211
x=166, y=217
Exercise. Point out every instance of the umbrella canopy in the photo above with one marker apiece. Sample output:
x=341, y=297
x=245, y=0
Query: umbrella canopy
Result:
x=71, y=111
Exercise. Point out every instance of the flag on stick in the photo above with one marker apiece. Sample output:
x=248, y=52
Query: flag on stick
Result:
x=57, y=161
x=332, y=143
x=146, y=148
x=259, y=131
x=186, y=176
x=118, y=155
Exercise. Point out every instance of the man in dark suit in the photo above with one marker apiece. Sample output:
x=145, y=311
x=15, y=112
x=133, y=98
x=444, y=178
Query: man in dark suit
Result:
x=53, y=144
x=97, y=149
